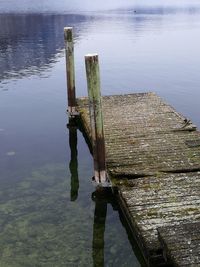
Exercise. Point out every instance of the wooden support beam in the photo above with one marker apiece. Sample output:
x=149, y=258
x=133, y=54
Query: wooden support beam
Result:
x=96, y=117
x=70, y=71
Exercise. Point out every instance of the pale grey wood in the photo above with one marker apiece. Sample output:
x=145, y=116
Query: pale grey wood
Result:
x=70, y=70
x=96, y=117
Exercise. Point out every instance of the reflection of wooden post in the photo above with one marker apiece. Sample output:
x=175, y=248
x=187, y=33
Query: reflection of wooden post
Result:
x=73, y=165
x=98, y=231
x=96, y=118
x=69, y=52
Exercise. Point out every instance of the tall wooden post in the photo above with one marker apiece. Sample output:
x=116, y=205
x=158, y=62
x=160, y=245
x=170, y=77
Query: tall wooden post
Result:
x=70, y=71
x=96, y=117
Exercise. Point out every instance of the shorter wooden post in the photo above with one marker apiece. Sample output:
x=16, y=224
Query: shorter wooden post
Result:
x=70, y=70
x=96, y=117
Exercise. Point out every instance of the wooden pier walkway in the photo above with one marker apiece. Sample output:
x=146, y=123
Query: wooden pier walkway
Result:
x=186, y=252
x=153, y=159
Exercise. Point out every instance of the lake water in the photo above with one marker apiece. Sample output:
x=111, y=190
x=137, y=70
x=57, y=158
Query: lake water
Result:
x=49, y=215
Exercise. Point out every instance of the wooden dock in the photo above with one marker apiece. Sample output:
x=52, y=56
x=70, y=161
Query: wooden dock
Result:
x=186, y=252
x=153, y=159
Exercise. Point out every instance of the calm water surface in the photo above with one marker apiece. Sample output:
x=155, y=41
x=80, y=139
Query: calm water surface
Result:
x=49, y=213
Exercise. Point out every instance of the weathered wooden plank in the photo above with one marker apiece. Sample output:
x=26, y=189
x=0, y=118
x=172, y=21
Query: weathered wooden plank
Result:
x=153, y=158
x=152, y=203
x=181, y=243
x=154, y=139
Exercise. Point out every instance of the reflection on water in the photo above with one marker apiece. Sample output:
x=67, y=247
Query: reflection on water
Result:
x=73, y=165
x=98, y=230
x=105, y=200
x=47, y=216
x=31, y=43
x=41, y=227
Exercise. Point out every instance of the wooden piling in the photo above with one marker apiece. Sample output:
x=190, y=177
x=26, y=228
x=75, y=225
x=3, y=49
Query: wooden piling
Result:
x=96, y=117
x=70, y=70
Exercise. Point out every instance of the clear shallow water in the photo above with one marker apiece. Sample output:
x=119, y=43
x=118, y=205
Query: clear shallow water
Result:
x=46, y=207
